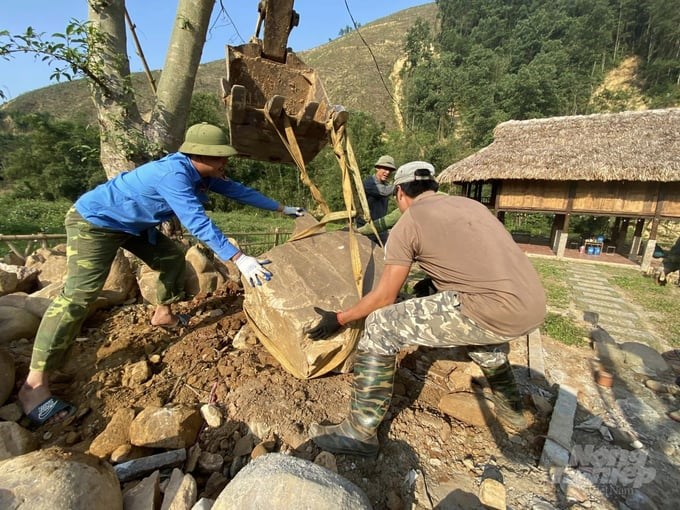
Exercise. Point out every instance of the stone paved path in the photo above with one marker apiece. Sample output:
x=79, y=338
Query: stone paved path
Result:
x=593, y=293
x=629, y=404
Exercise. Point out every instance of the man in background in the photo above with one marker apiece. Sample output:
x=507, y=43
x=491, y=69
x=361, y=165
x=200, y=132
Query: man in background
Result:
x=378, y=191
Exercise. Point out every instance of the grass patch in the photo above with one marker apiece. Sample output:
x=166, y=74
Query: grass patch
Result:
x=658, y=304
x=553, y=277
x=563, y=329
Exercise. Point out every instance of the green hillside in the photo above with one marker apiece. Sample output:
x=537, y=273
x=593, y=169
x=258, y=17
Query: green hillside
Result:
x=344, y=64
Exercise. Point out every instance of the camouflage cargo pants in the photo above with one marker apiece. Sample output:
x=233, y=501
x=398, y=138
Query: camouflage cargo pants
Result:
x=432, y=321
x=90, y=251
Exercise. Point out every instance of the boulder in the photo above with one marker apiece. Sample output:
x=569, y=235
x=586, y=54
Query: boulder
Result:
x=116, y=434
x=31, y=303
x=15, y=440
x=7, y=375
x=172, y=426
x=279, y=482
x=315, y=271
x=17, y=278
x=58, y=479
x=49, y=292
x=145, y=495
x=50, y=264
x=147, y=281
x=16, y=323
x=202, y=277
x=121, y=283
x=180, y=492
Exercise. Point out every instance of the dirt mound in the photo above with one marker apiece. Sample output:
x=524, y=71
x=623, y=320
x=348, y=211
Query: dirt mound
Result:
x=426, y=456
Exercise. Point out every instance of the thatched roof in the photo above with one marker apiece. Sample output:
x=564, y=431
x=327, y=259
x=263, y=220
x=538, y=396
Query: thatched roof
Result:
x=628, y=146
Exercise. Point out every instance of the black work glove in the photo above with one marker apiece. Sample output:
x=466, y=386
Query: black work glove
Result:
x=424, y=288
x=325, y=327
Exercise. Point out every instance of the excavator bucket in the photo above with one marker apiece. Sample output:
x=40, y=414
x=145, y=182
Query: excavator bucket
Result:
x=272, y=96
x=259, y=90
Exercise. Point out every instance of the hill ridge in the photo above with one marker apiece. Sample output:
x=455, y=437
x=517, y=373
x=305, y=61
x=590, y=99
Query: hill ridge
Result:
x=344, y=65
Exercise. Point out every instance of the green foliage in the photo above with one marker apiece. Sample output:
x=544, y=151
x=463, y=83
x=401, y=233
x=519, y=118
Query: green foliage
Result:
x=589, y=226
x=348, y=29
x=497, y=60
x=68, y=52
x=534, y=224
x=49, y=159
x=207, y=108
x=32, y=216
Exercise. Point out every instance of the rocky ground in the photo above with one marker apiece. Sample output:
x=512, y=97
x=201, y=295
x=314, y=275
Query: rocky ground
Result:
x=428, y=458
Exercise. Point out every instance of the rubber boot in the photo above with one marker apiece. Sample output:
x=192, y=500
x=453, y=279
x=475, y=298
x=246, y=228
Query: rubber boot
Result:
x=506, y=398
x=370, y=400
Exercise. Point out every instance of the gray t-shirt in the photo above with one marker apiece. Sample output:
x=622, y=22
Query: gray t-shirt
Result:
x=464, y=248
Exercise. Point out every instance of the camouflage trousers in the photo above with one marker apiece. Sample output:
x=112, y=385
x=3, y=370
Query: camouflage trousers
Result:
x=90, y=251
x=432, y=321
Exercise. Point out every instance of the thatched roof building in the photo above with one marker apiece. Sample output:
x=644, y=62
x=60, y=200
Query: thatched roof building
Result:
x=623, y=165
x=628, y=146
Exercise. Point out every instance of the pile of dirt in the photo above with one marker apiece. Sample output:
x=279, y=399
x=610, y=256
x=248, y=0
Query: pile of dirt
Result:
x=426, y=456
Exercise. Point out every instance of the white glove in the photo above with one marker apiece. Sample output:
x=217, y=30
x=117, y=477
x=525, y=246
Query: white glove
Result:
x=292, y=211
x=252, y=269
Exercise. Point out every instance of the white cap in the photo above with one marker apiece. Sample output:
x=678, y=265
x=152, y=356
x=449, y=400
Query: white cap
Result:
x=407, y=172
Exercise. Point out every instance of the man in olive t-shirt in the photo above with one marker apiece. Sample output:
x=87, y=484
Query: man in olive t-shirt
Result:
x=488, y=293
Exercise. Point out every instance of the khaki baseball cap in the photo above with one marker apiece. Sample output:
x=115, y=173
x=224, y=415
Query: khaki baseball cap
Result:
x=407, y=172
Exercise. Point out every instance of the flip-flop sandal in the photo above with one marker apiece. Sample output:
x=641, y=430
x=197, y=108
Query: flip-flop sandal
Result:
x=49, y=408
x=182, y=322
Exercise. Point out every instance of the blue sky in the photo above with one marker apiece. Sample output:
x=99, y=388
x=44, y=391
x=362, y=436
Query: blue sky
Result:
x=320, y=20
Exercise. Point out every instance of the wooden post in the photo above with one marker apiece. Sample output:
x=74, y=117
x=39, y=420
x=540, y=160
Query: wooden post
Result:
x=615, y=231
x=637, y=238
x=276, y=236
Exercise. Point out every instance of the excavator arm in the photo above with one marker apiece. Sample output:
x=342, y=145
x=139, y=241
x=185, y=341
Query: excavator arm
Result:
x=280, y=20
x=269, y=91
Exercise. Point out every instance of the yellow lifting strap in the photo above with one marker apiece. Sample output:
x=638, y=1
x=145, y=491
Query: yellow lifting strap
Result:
x=290, y=142
x=350, y=172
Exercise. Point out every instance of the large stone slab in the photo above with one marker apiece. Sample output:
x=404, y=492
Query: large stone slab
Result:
x=643, y=359
x=315, y=271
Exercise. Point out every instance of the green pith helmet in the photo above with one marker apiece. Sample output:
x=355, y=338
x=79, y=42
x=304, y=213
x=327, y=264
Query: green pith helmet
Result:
x=206, y=140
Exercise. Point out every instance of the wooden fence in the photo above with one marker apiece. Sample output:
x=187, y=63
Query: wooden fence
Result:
x=251, y=242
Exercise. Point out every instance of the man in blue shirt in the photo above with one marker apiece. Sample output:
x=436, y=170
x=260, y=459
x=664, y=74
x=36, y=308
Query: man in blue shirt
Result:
x=123, y=213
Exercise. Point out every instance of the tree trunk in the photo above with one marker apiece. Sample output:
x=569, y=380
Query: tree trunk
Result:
x=126, y=139
x=176, y=85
